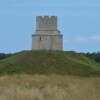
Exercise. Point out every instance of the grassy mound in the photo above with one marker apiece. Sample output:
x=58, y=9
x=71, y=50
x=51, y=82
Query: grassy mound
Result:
x=49, y=62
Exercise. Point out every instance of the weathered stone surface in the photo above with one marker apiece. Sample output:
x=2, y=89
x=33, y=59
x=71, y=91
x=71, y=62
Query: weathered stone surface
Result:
x=47, y=36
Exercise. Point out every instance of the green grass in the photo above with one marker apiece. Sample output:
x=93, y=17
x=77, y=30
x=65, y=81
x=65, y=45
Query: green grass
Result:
x=49, y=62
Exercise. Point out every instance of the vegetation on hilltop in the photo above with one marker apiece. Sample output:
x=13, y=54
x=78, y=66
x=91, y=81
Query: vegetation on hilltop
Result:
x=49, y=62
x=4, y=55
x=94, y=56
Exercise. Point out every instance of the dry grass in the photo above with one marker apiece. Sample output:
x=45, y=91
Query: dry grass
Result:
x=50, y=87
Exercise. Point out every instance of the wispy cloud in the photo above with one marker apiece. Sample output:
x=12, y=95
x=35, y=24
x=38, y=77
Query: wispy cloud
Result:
x=95, y=38
x=83, y=39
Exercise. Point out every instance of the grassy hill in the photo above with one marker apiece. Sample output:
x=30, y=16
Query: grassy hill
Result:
x=46, y=75
x=49, y=62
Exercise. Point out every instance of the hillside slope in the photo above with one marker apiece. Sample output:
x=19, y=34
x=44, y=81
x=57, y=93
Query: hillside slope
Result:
x=49, y=62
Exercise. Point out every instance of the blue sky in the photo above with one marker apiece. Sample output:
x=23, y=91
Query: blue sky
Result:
x=78, y=20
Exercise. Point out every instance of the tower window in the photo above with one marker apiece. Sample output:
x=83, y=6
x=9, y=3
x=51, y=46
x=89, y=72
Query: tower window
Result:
x=40, y=38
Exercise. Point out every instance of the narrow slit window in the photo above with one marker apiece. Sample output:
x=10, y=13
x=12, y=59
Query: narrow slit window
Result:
x=40, y=38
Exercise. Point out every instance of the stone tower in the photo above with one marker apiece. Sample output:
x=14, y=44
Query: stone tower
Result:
x=47, y=36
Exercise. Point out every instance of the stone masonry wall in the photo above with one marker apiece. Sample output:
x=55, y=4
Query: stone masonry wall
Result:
x=47, y=36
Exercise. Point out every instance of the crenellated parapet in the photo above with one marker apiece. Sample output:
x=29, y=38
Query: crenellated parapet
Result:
x=48, y=23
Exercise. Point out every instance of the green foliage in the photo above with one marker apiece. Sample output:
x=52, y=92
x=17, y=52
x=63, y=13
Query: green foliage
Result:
x=94, y=56
x=49, y=62
x=3, y=55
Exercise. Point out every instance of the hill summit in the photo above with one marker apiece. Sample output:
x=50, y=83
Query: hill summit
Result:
x=49, y=62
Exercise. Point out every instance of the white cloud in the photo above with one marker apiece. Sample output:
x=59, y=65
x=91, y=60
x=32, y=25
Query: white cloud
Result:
x=81, y=39
x=93, y=38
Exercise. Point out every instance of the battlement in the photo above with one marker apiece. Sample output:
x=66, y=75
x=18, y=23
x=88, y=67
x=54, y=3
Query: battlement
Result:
x=46, y=23
x=43, y=17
